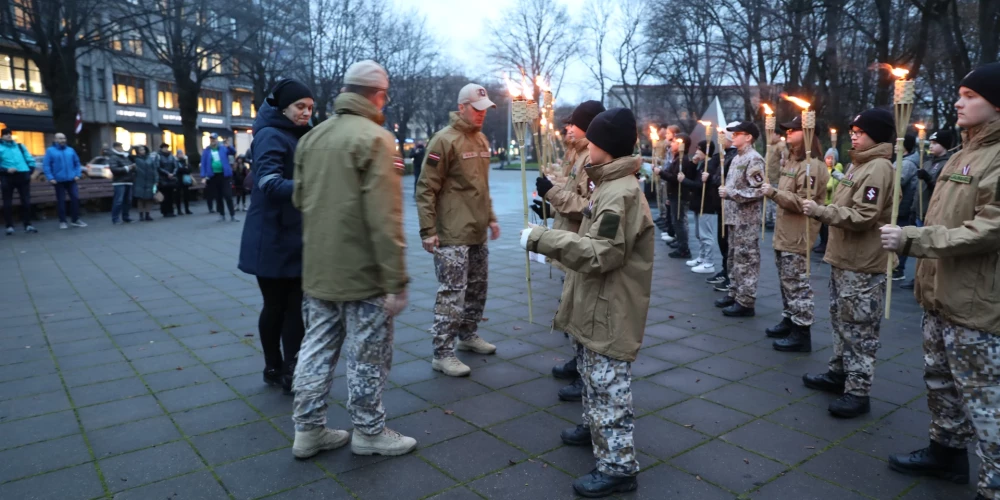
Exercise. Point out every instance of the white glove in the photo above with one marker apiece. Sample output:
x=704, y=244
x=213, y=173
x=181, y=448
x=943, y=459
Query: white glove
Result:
x=524, y=237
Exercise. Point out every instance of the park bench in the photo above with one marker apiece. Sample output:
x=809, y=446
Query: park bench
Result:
x=94, y=193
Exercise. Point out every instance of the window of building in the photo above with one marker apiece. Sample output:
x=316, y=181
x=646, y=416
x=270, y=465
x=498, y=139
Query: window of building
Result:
x=34, y=142
x=166, y=96
x=102, y=85
x=20, y=74
x=134, y=46
x=22, y=14
x=253, y=111
x=129, y=139
x=174, y=140
x=237, y=107
x=130, y=90
x=210, y=101
x=85, y=84
x=211, y=62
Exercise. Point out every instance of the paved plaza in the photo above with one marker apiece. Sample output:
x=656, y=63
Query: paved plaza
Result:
x=130, y=368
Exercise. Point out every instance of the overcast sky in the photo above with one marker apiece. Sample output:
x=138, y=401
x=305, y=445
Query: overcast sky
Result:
x=462, y=26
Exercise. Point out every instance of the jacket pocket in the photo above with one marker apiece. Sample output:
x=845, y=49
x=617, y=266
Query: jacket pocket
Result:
x=863, y=302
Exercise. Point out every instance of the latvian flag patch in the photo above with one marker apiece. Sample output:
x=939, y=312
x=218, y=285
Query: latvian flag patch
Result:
x=433, y=159
x=399, y=163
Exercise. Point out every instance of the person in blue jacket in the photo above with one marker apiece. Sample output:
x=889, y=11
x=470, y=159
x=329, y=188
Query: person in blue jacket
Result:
x=16, y=165
x=62, y=169
x=217, y=175
x=271, y=247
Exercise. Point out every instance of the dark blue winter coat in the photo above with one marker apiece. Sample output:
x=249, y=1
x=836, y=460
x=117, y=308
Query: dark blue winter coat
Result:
x=272, y=233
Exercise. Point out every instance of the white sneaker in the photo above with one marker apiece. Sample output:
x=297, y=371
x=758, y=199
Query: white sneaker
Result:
x=451, y=366
x=388, y=444
x=309, y=443
x=704, y=268
x=693, y=262
x=666, y=237
x=78, y=223
x=476, y=344
x=62, y=225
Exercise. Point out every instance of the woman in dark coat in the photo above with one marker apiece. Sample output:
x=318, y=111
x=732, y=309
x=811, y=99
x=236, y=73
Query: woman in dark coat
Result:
x=271, y=247
x=147, y=173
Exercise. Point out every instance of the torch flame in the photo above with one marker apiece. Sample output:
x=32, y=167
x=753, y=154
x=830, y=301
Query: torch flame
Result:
x=833, y=131
x=705, y=123
x=512, y=88
x=899, y=72
x=679, y=141
x=653, y=134
x=802, y=103
x=919, y=126
x=542, y=84
x=767, y=109
x=544, y=121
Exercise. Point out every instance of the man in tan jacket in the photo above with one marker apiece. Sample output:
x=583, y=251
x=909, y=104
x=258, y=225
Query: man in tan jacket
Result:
x=606, y=298
x=347, y=185
x=455, y=210
x=958, y=285
x=791, y=239
x=861, y=203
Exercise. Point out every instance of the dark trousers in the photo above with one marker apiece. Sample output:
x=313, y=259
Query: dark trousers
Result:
x=280, y=322
x=62, y=189
x=416, y=176
x=680, y=222
x=824, y=234
x=121, y=203
x=241, y=196
x=20, y=181
x=169, y=197
x=905, y=219
x=183, y=196
x=221, y=188
x=723, y=244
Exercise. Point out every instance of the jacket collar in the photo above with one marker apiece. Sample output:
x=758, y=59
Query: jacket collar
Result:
x=982, y=136
x=350, y=103
x=460, y=124
x=581, y=145
x=615, y=169
x=880, y=150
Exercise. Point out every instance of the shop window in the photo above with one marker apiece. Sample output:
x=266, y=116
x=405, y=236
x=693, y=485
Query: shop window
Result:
x=174, y=140
x=237, y=107
x=166, y=96
x=20, y=74
x=34, y=142
x=130, y=90
x=130, y=139
x=210, y=101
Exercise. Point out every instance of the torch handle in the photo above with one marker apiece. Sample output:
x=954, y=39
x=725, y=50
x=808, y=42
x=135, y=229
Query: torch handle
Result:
x=808, y=197
x=767, y=163
x=896, y=181
x=920, y=189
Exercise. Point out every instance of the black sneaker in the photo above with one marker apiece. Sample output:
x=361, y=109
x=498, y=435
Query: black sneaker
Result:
x=680, y=254
x=724, y=286
x=950, y=464
x=898, y=274
x=907, y=286
x=576, y=436
x=598, y=484
x=720, y=277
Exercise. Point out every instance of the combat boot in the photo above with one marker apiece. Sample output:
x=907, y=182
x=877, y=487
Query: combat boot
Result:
x=388, y=444
x=309, y=443
x=566, y=370
x=572, y=392
x=799, y=340
x=272, y=376
x=576, y=436
x=725, y=302
x=850, y=406
x=451, y=366
x=737, y=310
x=827, y=382
x=476, y=344
x=598, y=484
x=781, y=330
x=936, y=460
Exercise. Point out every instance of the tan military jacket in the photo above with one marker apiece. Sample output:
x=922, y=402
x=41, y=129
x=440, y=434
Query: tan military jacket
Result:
x=790, y=227
x=605, y=302
x=569, y=199
x=453, y=192
x=959, y=273
x=862, y=203
x=348, y=187
x=743, y=193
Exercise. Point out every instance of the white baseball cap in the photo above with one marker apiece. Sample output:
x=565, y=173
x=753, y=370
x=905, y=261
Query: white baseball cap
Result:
x=476, y=96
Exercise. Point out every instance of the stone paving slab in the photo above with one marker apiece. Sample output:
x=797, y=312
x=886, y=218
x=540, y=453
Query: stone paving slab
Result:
x=130, y=369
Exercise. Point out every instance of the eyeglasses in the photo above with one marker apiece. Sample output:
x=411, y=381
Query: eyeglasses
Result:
x=856, y=133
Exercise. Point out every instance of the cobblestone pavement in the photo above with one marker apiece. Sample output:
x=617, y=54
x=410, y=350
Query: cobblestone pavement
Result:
x=130, y=369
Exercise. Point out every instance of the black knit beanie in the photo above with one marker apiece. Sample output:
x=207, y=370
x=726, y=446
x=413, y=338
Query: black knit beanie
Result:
x=711, y=149
x=944, y=137
x=287, y=92
x=909, y=142
x=983, y=80
x=614, y=131
x=585, y=113
x=878, y=123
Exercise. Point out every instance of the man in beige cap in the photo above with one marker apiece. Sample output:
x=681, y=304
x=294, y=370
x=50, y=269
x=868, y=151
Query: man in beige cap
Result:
x=455, y=208
x=347, y=185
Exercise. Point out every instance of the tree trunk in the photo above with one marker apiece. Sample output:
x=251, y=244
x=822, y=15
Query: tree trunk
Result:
x=59, y=77
x=834, y=11
x=989, y=35
x=187, y=100
x=884, y=9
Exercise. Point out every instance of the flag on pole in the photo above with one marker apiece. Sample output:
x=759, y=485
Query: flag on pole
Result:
x=79, y=123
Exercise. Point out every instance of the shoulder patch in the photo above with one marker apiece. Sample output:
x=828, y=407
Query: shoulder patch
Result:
x=432, y=159
x=469, y=154
x=609, y=226
x=399, y=164
x=758, y=178
x=871, y=194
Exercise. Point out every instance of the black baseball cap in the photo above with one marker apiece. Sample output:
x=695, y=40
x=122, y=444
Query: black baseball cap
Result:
x=795, y=124
x=747, y=128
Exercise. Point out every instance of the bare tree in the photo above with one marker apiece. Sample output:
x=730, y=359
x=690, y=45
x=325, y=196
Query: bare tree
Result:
x=596, y=26
x=336, y=40
x=275, y=44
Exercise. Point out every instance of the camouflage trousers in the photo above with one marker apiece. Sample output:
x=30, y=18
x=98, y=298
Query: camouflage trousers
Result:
x=744, y=262
x=857, y=301
x=365, y=330
x=962, y=373
x=607, y=405
x=770, y=211
x=462, y=272
x=796, y=292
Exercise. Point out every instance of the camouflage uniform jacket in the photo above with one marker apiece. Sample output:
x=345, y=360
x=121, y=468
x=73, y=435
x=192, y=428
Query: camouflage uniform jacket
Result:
x=605, y=302
x=453, y=192
x=569, y=199
x=348, y=187
x=790, y=227
x=743, y=193
x=861, y=204
x=959, y=273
